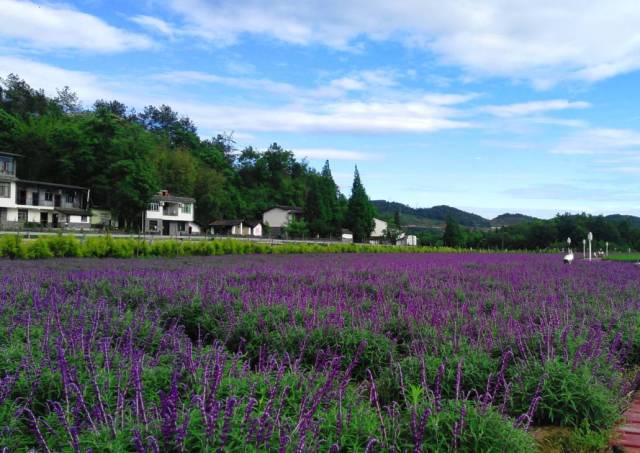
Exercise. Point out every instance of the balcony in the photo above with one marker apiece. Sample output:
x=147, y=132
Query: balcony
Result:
x=172, y=211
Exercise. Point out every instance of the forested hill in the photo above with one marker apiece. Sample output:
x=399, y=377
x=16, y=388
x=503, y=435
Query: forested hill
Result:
x=633, y=220
x=437, y=216
x=511, y=219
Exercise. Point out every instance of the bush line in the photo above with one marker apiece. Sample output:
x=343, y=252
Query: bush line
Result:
x=15, y=247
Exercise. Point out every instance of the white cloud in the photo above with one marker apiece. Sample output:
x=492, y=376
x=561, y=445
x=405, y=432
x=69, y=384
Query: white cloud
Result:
x=44, y=27
x=342, y=116
x=533, y=107
x=189, y=77
x=155, y=24
x=543, y=42
x=362, y=81
x=331, y=154
x=600, y=141
x=89, y=87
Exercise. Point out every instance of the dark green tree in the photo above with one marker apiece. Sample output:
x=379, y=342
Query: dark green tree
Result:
x=360, y=212
x=453, y=236
x=322, y=209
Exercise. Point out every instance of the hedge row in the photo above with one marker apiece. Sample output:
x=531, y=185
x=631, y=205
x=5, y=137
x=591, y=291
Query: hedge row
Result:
x=13, y=246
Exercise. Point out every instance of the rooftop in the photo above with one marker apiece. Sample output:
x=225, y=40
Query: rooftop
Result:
x=286, y=208
x=3, y=153
x=51, y=184
x=233, y=222
x=173, y=199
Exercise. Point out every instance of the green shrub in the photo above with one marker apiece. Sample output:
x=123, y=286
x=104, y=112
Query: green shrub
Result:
x=106, y=246
x=39, y=249
x=569, y=397
x=484, y=431
x=63, y=246
x=97, y=247
x=476, y=367
x=11, y=246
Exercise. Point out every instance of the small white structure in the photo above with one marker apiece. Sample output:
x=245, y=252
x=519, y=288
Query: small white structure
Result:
x=252, y=228
x=226, y=227
x=236, y=227
x=408, y=240
x=102, y=218
x=169, y=215
x=193, y=228
x=346, y=236
x=280, y=216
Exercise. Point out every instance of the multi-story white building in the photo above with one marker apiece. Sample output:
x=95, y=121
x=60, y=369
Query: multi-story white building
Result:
x=169, y=215
x=39, y=202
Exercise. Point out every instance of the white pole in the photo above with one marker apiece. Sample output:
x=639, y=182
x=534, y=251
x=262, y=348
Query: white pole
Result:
x=584, y=248
x=590, y=237
x=606, y=248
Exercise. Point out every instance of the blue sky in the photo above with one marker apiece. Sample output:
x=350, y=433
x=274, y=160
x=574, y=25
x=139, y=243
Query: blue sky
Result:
x=494, y=106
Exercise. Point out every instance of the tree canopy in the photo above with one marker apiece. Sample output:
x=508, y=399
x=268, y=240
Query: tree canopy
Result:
x=124, y=157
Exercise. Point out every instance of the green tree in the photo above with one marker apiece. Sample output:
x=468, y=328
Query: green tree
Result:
x=396, y=219
x=453, y=236
x=359, y=217
x=322, y=209
x=296, y=229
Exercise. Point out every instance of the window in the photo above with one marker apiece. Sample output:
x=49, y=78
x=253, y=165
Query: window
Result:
x=6, y=166
x=186, y=208
x=48, y=196
x=154, y=207
x=70, y=198
x=22, y=215
x=5, y=190
x=153, y=225
x=83, y=219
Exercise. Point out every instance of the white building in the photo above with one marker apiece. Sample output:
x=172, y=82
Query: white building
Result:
x=169, y=215
x=236, y=227
x=38, y=202
x=379, y=230
x=226, y=227
x=407, y=239
x=252, y=228
x=280, y=216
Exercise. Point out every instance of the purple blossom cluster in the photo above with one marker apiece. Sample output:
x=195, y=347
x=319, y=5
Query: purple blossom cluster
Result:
x=188, y=354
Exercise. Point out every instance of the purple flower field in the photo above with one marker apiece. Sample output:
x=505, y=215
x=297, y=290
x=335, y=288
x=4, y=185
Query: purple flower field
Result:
x=351, y=352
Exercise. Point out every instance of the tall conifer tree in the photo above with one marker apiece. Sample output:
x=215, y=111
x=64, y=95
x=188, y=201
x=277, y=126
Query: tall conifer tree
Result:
x=359, y=211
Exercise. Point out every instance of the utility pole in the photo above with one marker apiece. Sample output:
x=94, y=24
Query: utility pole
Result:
x=590, y=237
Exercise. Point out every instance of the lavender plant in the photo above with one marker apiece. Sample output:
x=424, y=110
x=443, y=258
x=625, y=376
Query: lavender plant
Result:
x=358, y=352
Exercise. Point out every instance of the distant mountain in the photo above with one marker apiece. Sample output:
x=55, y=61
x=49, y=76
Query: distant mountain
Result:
x=436, y=216
x=633, y=220
x=429, y=217
x=511, y=219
